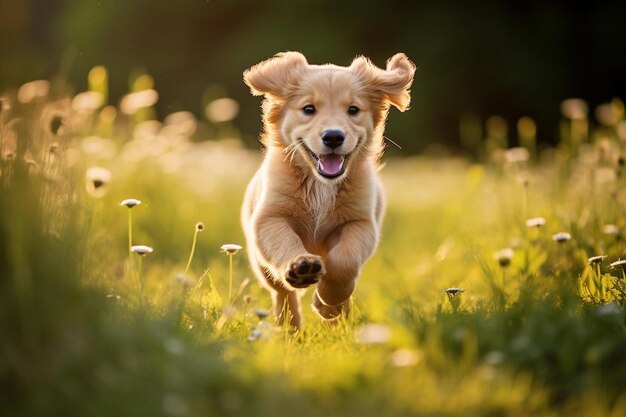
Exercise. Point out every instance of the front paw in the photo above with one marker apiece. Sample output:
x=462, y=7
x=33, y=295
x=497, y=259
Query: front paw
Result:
x=305, y=270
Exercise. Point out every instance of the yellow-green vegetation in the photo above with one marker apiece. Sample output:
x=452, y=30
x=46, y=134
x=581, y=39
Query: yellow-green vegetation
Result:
x=497, y=288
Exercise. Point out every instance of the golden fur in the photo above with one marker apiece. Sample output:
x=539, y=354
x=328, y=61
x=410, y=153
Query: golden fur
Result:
x=312, y=214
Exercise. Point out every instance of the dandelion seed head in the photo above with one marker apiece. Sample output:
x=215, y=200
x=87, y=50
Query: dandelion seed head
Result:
x=574, y=109
x=87, y=101
x=611, y=229
x=605, y=115
x=222, y=110
x=230, y=248
x=183, y=123
x=561, y=237
x=373, y=334
x=199, y=226
x=130, y=202
x=403, y=358
x=536, y=222
x=516, y=155
x=141, y=249
x=133, y=102
x=596, y=259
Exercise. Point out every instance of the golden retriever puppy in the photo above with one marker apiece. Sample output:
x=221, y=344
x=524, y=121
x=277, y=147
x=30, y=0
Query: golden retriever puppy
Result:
x=312, y=213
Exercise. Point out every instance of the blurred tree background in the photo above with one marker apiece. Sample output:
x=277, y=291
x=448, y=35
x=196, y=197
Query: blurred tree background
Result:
x=475, y=58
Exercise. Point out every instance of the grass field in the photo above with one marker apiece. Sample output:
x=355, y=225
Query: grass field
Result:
x=531, y=323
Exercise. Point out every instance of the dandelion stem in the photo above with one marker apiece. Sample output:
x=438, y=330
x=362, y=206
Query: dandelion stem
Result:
x=130, y=231
x=230, y=278
x=602, y=283
x=193, y=250
x=139, y=274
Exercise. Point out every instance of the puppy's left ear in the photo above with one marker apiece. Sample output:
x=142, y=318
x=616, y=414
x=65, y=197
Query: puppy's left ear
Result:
x=275, y=76
x=394, y=82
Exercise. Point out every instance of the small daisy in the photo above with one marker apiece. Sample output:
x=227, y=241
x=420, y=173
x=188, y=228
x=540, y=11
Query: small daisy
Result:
x=620, y=263
x=611, y=229
x=141, y=249
x=536, y=222
x=516, y=155
x=183, y=280
x=596, y=259
x=574, y=109
x=453, y=291
x=87, y=101
x=402, y=358
x=561, y=237
x=230, y=248
x=504, y=256
x=374, y=334
x=130, y=202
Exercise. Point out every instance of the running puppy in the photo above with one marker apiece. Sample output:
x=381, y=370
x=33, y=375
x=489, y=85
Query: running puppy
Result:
x=312, y=213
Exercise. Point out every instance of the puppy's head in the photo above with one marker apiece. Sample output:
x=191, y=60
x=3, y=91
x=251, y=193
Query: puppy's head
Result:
x=327, y=116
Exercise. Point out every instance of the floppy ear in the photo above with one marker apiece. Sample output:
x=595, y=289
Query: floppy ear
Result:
x=393, y=83
x=275, y=76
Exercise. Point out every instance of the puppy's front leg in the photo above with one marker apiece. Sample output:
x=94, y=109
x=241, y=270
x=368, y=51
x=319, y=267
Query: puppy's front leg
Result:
x=357, y=241
x=283, y=253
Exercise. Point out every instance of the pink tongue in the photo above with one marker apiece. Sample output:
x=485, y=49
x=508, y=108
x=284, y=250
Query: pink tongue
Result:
x=330, y=164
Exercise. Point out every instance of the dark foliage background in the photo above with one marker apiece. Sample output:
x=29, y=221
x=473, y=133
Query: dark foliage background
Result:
x=480, y=57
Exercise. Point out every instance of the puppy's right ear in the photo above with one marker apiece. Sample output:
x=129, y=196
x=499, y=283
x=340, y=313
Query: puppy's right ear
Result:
x=275, y=76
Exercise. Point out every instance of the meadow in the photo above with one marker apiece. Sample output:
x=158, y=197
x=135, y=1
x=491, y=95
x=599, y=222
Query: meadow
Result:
x=498, y=288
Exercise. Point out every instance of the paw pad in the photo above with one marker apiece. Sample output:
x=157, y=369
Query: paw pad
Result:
x=304, y=271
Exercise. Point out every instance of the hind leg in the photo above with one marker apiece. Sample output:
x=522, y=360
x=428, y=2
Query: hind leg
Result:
x=287, y=306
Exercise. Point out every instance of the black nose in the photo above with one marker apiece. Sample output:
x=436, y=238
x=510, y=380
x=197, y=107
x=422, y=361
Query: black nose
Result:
x=333, y=138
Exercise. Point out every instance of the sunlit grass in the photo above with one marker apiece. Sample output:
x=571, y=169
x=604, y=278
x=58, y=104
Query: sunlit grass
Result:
x=497, y=289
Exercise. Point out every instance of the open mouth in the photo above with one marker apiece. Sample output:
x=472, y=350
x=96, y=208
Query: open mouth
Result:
x=330, y=165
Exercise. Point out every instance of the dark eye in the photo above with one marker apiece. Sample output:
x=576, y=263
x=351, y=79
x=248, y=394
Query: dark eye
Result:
x=352, y=110
x=309, y=109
